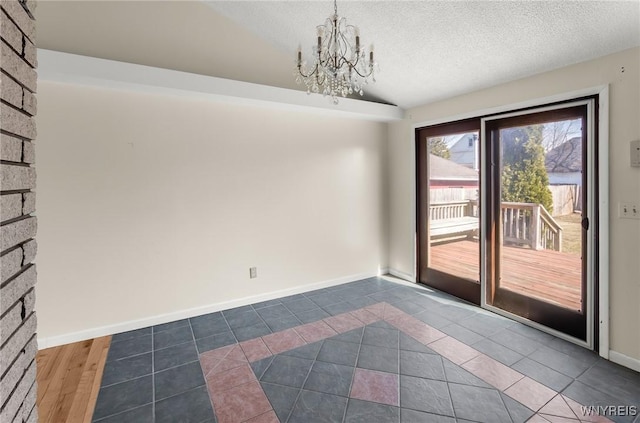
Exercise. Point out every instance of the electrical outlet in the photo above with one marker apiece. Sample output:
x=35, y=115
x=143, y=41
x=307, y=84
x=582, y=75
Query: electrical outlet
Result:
x=253, y=272
x=628, y=211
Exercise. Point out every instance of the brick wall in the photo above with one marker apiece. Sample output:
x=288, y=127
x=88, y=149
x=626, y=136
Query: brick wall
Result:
x=17, y=204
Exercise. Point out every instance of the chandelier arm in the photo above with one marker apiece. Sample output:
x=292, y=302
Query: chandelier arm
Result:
x=365, y=75
x=309, y=75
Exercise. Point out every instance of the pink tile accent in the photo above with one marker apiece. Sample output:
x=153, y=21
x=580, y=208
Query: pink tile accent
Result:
x=283, y=341
x=208, y=363
x=236, y=354
x=390, y=312
x=315, y=331
x=364, y=316
x=224, y=365
x=491, y=371
x=238, y=396
x=268, y=417
x=219, y=353
x=223, y=381
x=403, y=322
x=255, y=349
x=556, y=419
x=417, y=329
x=454, y=350
x=210, y=360
x=530, y=393
x=376, y=309
x=575, y=406
x=558, y=407
x=241, y=403
x=343, y=322
x=369, y=385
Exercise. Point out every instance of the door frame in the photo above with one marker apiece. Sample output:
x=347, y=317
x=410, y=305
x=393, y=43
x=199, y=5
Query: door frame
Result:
x=602, y=234
x=589, y=250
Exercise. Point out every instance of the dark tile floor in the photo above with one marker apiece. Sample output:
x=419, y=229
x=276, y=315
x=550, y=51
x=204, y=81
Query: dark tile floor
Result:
x=367, y=351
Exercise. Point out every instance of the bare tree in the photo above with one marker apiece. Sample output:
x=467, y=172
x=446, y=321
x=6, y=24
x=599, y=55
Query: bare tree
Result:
x=562, y=142
x=557, y=133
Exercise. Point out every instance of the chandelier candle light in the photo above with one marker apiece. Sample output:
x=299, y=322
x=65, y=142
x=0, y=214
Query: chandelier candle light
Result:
x=340, y=66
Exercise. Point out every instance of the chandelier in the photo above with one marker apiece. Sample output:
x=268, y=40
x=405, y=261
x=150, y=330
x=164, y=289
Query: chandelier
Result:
x=340, y=66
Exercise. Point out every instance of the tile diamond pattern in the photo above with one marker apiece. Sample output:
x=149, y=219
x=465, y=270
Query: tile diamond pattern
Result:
x=371, y=361
x=373, y=386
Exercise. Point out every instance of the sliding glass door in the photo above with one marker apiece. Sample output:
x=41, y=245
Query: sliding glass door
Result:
x=505, y=209
x=537, y=217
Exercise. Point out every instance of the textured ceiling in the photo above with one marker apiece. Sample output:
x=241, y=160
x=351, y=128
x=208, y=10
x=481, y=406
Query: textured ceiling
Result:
x=426, y=50
x=429, y=50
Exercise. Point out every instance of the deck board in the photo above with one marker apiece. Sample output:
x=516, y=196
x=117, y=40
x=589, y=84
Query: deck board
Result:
x=548, y=275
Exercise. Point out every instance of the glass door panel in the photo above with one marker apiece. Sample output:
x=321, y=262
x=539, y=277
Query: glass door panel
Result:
x=537, y=245
x=453, y=215
x=448, y=208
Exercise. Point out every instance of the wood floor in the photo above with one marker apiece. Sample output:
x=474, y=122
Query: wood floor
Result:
x=69, y=379
x=548, y=275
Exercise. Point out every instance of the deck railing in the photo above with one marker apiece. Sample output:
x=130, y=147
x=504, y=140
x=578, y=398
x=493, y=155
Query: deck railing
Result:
x=525, y=224
x=451, y=209
x=530, y=224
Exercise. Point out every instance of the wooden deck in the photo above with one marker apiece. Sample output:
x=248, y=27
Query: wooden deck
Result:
x=551, y=276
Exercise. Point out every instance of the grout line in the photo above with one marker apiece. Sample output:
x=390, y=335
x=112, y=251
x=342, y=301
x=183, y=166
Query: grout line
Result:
x=206, y=384
x=355, y=367
x=122, y=412
x=171, y=328
x=175, y=345
x=153, y=378
x=178, y=365
x=128, y=380
x=133, y=337
x=153, y=371
x=399, y=353
x=501, y=395
x=453, y=409
x=228, y=325
x=127, y=357
x=293, y=406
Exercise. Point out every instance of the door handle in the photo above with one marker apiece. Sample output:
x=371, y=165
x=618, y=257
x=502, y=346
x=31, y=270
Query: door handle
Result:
x=585, y=223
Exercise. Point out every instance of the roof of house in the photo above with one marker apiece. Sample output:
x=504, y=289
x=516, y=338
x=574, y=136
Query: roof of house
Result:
x=452, y=140
x=443, y=169
x=565, y=158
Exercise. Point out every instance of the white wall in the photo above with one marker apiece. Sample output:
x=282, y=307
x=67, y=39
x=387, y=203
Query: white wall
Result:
x=624, y=180
x=150, y=204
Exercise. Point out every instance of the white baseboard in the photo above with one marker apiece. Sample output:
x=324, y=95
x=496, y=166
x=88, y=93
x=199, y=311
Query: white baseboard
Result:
x=402, y=275
x=623, y=360
x=54, y=341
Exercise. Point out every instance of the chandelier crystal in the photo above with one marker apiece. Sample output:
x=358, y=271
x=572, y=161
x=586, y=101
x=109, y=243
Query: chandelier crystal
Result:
x=340, y=65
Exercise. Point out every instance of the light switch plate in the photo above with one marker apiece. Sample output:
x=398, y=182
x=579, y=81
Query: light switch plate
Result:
x=628, y=211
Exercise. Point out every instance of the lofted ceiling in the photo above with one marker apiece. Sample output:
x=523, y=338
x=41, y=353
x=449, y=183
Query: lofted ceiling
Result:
x=427, y=50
